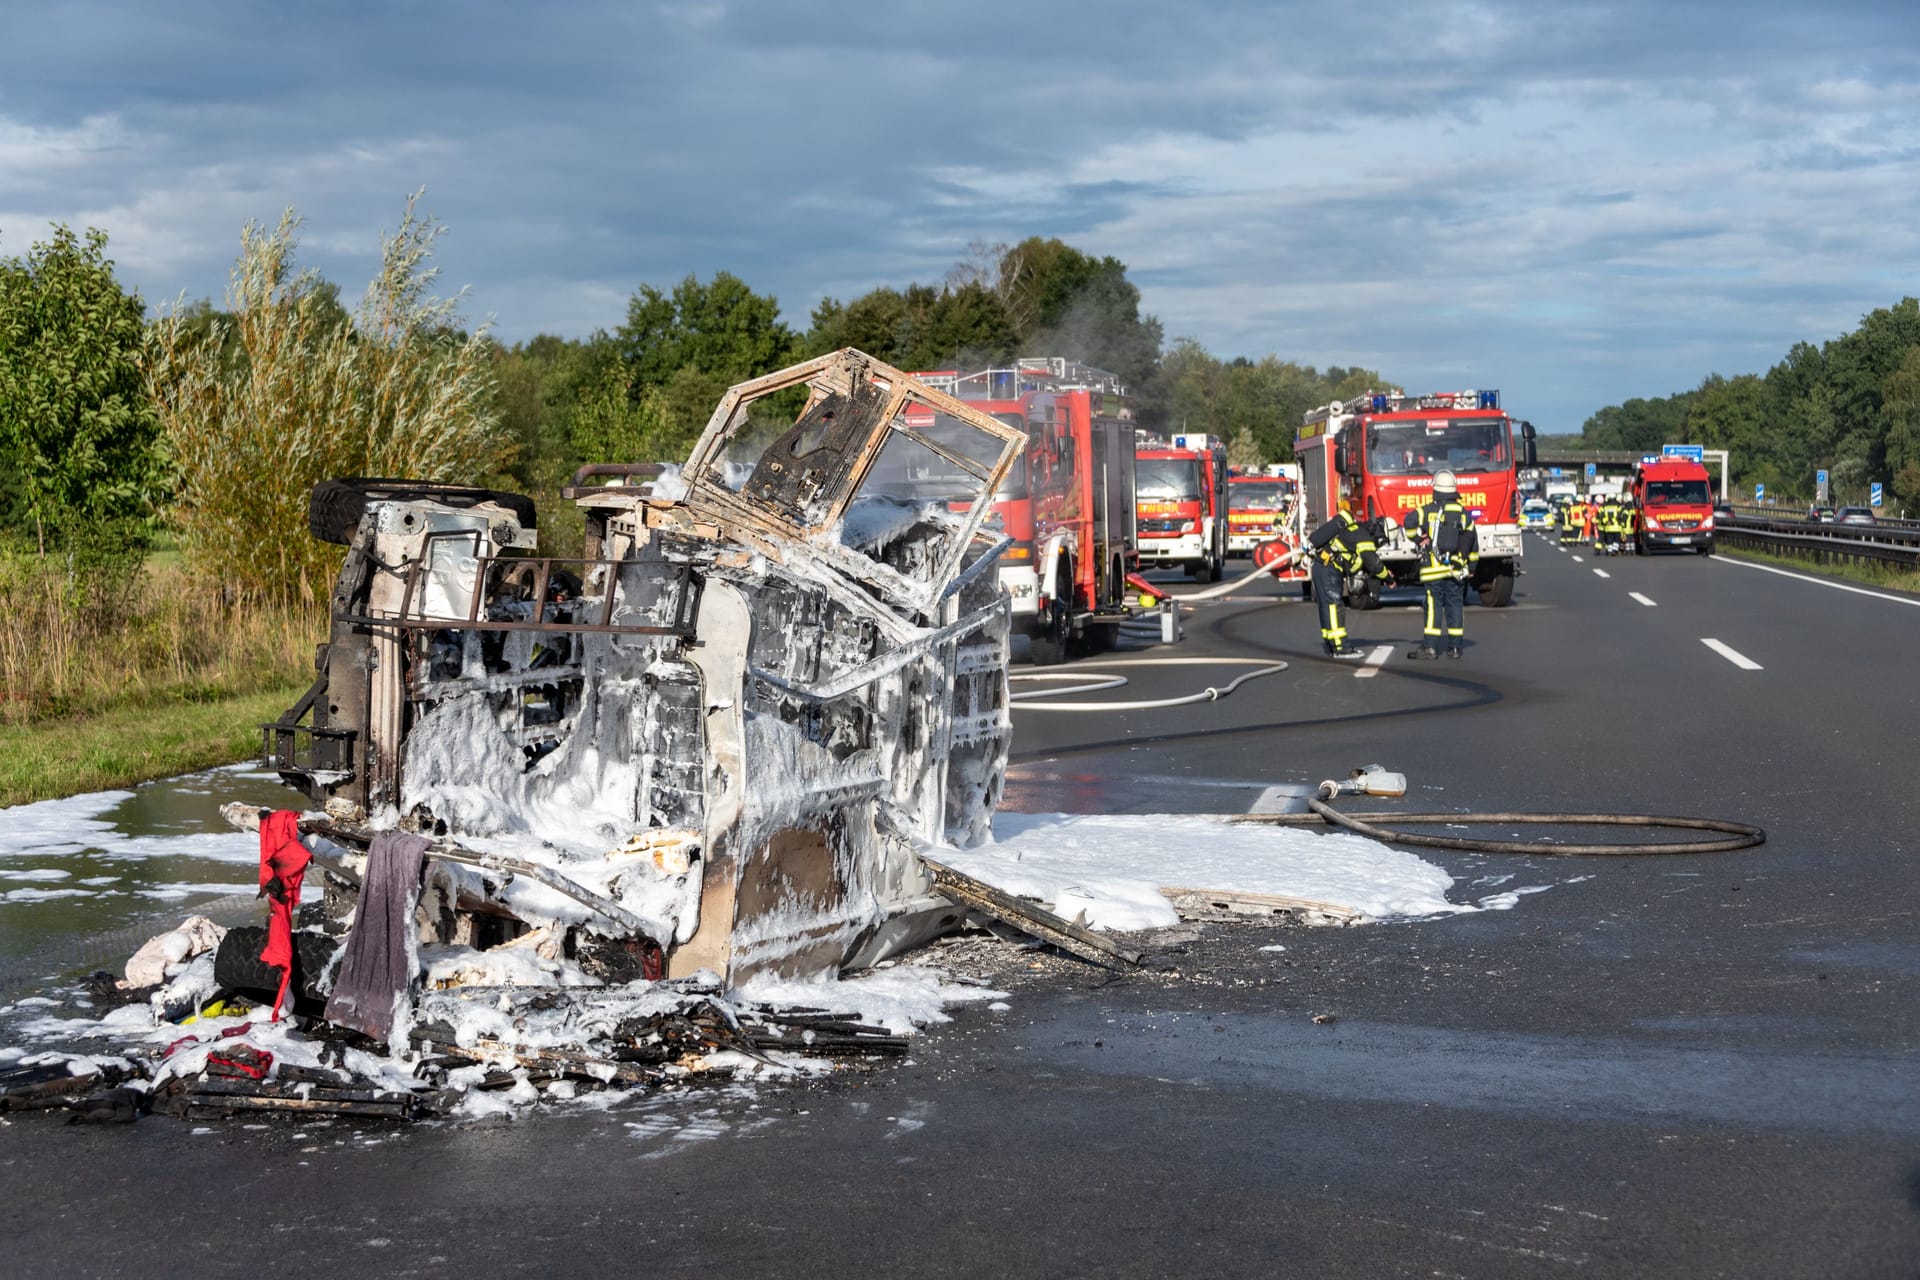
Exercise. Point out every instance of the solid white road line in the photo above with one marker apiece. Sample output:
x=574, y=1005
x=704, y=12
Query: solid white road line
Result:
x=1818, y=582
x=1603, y=573
x=1642, y=599
x=1733, y=655
x=1371, y=667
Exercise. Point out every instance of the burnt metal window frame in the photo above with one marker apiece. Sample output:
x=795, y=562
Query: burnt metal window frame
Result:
x=839, y=373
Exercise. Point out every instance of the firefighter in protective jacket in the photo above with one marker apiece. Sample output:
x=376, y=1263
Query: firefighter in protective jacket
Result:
x=1443, y=531
x=1341, y=548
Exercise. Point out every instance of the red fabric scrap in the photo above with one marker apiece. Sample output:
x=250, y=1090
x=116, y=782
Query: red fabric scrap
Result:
x=283, y=862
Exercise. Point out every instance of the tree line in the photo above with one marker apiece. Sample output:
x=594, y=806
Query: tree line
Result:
x=209, y=424
x=1850, y=407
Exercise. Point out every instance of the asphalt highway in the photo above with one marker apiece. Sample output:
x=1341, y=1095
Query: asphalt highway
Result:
x=1669, y=1066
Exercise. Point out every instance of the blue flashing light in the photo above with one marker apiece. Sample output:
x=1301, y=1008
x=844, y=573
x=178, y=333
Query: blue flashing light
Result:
x=1489, y=399
x=1378, y=404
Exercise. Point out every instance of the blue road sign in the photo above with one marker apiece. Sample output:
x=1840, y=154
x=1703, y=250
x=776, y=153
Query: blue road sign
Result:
x=1873, y=493
x=1554, y=472
x=1691, y=452
x=1759, y=492
x=1820, y=477
x=1592, y=470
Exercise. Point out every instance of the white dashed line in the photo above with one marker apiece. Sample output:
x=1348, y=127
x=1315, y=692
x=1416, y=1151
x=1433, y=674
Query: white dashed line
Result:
x=1371, y=667
x=1603, y=573
x=1578, y=560
x=1635, y=595
x=1280, y=798
x=1818, y=582
x=1733, y=655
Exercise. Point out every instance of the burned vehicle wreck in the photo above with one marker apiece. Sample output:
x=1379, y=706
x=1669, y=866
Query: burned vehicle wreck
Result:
x=717, y=741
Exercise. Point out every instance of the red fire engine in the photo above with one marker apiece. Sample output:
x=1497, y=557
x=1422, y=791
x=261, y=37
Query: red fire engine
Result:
x=1379, y=453
x=1069, y=505
x=1674, y=498
x=1182, y=505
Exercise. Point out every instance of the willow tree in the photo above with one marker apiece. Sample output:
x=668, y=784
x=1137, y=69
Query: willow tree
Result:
x=286, y=390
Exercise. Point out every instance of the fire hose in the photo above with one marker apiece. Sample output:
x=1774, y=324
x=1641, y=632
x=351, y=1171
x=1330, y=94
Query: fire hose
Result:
x=1375, y=781
x=1091, y=681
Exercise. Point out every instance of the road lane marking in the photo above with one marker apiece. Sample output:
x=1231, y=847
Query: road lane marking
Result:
x=1603, y=573
x=1733, y=655
x=1578, y=560
x=1282, y=797
x=1642, y=599
x=1371, y=667
x=1818, y=582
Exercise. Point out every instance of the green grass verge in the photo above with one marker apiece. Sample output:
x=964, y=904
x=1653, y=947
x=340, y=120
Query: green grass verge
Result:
x=1870, y=575
x=120, y=747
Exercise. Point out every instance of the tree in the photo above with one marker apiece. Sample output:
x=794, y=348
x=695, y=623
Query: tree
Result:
x=399, y=391
x=1901, y=396
x=1064, y=302
x=79, y=435
x=723, y=329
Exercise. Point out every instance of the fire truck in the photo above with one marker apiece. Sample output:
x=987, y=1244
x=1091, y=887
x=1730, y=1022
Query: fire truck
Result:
x=1181, y=504
x=1068, y=505
x=1674, y=497
x=1262, y=507
x=1379, y=452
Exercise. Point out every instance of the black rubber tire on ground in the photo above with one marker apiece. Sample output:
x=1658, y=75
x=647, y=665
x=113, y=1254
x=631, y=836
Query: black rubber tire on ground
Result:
x=1055, y=633
x=1705, y=549
x=335, y=508
x=1496, y=592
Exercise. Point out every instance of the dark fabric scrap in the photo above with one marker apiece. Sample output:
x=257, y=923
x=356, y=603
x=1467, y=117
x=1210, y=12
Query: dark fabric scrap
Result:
x=380, y=957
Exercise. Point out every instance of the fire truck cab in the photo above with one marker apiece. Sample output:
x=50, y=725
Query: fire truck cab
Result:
x=1379, y=453
x=1262, y=507
x=1674, y=498
x=1181, y=500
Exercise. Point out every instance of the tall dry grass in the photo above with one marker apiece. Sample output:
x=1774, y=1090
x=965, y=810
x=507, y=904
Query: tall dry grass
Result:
x=292, y=391
x=178, y=639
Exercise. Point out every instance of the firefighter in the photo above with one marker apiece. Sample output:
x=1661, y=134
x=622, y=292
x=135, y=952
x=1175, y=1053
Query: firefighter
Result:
x=1343, y=547
x=1443, y=532
x=1570, y=522
x=1603, y=527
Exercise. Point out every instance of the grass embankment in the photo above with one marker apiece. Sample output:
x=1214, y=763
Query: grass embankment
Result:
x=1869, y=574
x=175, y=679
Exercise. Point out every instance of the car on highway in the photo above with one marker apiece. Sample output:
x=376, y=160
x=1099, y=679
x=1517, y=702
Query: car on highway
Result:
x=1536, y=513
x=1855, y=515
x=1819, y=515
x=1723, y=511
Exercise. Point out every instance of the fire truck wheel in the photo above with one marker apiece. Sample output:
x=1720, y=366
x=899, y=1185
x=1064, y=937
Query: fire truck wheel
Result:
x=1055, y=632
x=1208, y=570
x=1496, y=592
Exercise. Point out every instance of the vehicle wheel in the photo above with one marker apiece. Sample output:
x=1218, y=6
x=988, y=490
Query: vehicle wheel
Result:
x=1306, y=590
x=1497, y=592
x=1053, y=639
x=335, y=507
x=1706, y=550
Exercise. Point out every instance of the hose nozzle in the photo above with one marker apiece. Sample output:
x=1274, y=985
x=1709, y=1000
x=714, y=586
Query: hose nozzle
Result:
x=1368, y=780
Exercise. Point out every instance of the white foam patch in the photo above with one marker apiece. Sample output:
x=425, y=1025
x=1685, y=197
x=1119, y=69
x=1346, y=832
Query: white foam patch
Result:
x=43, y=895
x=1109, y=869
x=37, y=873
x=75, y=825
x=899, y=998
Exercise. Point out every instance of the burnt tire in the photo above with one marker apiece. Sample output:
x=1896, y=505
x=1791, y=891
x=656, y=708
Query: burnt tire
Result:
x=335, y=507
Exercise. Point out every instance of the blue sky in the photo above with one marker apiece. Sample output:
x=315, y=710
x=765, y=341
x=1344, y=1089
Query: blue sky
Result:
x=1576, y=203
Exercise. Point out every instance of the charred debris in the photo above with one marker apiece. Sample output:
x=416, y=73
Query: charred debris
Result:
x=717, y=748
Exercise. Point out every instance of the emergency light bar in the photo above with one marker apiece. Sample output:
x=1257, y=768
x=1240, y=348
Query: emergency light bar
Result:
x=1399, y=402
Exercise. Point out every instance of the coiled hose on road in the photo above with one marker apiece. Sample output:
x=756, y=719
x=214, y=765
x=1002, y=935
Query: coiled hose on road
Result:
x=1740, y=835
